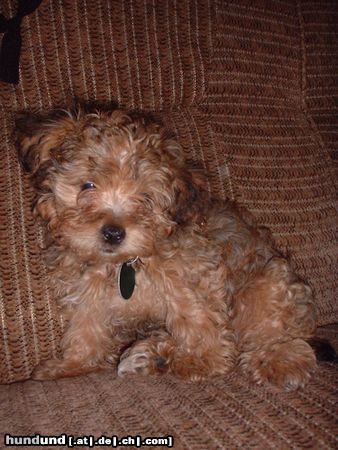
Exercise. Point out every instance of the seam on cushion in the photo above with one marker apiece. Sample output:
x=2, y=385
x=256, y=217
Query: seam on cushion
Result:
x=303, y=78
x=213, y=25
x=17, y=304
x=206, y=60
x=322, y=317
x=302, y=58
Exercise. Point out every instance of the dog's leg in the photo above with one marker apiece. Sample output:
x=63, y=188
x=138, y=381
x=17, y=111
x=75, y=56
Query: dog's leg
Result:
x=272, y=318
x=204, y=344
x=86, y=343
x=191, y=354
x=148, y=356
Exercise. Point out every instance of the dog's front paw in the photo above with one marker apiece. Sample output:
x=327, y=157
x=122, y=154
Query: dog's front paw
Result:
x=288, y=366
x=288, y=376
x=135, y=363
x=140, y=360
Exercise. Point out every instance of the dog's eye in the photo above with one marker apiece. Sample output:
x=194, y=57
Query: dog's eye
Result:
x=88, y=185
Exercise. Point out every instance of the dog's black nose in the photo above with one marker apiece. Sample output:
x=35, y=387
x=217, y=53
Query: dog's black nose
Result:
x=112, y=234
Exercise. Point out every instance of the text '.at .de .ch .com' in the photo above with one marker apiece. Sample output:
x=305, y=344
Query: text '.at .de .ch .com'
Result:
x=87, y=441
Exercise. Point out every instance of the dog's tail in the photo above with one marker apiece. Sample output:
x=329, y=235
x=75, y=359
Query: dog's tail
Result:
x=323, y=350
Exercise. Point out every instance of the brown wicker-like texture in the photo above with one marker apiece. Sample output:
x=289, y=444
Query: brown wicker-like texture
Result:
x=249, y=88
x=223, y=414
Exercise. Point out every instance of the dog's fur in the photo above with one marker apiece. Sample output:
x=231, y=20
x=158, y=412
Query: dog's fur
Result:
x=210, y=288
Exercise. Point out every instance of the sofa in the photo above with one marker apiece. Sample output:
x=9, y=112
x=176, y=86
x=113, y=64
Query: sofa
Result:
x=249, y=88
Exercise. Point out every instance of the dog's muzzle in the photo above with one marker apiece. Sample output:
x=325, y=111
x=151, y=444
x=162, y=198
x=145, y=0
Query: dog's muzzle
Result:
x=113, y=234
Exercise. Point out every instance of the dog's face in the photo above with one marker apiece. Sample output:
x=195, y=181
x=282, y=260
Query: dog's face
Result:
x=110, y=185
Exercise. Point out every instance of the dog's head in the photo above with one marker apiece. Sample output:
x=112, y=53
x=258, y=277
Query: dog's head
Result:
x=110, y=184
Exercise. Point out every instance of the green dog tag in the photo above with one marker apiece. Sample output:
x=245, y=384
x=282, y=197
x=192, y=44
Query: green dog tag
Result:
x=126, y=280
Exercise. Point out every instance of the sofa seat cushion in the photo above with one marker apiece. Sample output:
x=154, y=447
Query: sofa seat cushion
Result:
x=226, y=412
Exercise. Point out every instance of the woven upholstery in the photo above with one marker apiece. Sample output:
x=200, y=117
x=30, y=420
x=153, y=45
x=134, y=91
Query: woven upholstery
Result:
x=319, y=84
x=226, y=413
x=129, y=51
x=278, y=163
x=249, y=89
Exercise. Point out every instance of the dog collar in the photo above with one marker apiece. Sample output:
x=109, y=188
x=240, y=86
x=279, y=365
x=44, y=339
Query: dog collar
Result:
x=126, y=279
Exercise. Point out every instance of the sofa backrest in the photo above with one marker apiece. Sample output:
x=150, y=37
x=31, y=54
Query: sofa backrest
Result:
x=236, y=83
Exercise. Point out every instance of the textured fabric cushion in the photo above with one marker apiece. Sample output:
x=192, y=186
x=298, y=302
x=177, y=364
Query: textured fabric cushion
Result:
x=319, y=27
x=227, y=76
x=223, y=413
x=143, y=54
x=276, y=158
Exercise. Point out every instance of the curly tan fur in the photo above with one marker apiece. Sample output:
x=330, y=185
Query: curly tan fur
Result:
x=210, y=288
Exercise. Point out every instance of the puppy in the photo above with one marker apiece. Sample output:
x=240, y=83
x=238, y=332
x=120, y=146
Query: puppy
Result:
x=151, y=274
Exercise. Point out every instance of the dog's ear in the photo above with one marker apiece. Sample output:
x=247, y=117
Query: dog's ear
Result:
x=188, y=183
x=39, y=140
x=29, y=134
x=40, y=143
x=190, y=196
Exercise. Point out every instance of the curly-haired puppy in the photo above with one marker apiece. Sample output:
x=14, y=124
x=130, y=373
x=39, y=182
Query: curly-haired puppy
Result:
x=153, y=276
